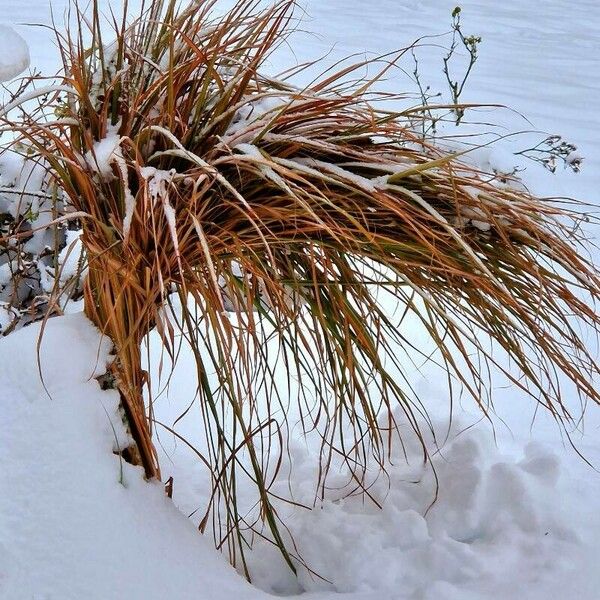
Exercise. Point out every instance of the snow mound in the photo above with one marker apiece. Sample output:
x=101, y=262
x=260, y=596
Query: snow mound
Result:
x=14, y=54
x=74, y=522
x=497, y=528
x=77, y=523
x=515, y=520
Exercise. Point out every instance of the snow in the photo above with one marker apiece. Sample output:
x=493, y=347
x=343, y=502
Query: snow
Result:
x=14, y=54
x=105, y=152
x=158, y=182
x=517, y=514
x=512, y=520
x=489, y=530
x=75, y=522
x=70, y=257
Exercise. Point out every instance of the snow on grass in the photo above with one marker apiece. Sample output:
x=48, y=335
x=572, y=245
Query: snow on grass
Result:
x=105, y=153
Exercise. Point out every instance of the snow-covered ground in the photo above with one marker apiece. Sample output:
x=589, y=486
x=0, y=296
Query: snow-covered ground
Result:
x=75, y=522
x=517, y=516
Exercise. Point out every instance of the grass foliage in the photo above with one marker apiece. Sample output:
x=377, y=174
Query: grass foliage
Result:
x=277, y=218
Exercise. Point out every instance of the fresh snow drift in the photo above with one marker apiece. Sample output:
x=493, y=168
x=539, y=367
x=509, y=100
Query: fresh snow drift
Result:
x=514, y=522
x=14, y=54
x=75, y=522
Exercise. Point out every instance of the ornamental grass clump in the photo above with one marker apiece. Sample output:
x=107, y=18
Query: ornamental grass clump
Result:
x=260, y=221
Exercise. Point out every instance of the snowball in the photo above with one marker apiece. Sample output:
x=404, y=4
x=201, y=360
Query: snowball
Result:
x=14, y=54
